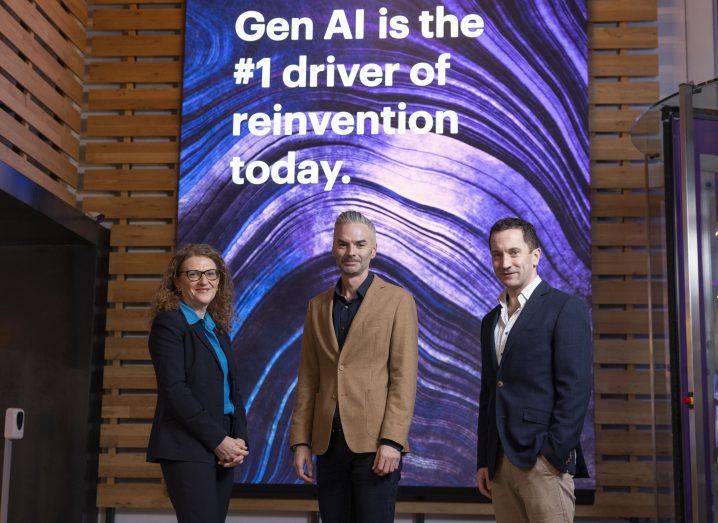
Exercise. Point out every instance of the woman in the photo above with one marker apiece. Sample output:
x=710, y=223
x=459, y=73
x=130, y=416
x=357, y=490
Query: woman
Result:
x=199, y=431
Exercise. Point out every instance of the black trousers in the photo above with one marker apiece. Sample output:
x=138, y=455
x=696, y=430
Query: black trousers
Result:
x=349, y=491
x=199, y=492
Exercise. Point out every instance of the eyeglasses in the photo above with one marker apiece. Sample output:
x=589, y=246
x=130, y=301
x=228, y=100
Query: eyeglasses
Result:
x=210, y=274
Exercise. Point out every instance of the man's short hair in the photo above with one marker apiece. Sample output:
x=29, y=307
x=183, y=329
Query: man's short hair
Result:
x=529, y=233
x=355, y=217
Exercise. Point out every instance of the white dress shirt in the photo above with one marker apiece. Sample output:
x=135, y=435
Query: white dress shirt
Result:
x=506, y=322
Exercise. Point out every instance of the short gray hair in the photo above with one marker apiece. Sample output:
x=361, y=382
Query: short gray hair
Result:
x=355, y=217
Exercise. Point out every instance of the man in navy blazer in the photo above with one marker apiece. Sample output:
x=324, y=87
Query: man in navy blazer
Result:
x=535, y=386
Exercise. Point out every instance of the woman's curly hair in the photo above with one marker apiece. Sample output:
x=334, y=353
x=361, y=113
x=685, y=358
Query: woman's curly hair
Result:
x=168, y=294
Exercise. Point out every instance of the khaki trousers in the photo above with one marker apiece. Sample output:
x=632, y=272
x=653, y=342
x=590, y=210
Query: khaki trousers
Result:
x=534, y=495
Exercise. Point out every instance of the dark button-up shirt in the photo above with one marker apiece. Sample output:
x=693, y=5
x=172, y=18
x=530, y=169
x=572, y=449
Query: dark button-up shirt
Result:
x=344, y=311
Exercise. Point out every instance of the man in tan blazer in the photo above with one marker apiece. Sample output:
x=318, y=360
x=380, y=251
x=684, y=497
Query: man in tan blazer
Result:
x=357, y=383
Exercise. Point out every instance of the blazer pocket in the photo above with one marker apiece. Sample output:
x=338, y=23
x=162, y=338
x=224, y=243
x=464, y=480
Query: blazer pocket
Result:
x=536, y=416
x=375, y=326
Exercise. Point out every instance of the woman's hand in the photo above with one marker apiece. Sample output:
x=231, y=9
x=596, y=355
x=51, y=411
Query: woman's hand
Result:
x=231, y=452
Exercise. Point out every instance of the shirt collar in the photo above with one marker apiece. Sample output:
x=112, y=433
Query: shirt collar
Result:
x=192, y=318
x=361, y=291
x=524, y=295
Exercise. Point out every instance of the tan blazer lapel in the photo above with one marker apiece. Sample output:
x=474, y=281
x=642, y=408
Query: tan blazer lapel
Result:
x=328, y=322
x=369, y=304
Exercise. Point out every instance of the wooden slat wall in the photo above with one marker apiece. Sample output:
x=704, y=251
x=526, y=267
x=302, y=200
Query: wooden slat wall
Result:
x=131, y=154
x=42, y=65
x=132, y=129
x=622, y=71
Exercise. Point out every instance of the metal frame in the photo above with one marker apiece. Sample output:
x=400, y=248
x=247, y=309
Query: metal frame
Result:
x=691, y=317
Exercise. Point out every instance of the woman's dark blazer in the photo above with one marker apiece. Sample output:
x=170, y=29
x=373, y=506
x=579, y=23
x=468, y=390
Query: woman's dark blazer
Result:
x=189, y=418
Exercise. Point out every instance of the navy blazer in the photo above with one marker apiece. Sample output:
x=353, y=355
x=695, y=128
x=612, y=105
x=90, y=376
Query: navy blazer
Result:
x=535, y=401
x=189, y=417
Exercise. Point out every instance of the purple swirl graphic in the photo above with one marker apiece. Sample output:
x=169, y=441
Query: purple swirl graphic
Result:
x=521, y=149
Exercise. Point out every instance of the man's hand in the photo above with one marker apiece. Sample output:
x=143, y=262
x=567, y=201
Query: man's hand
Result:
x=386, y=460
x=553, y=470
x=303, y=463
x=483, y=482
x=231, y=450
x=239, y=458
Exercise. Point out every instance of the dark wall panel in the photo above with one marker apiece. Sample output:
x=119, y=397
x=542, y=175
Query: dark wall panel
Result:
x=46, y=310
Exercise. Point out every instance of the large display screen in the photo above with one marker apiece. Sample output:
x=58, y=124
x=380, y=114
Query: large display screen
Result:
x=432, y=119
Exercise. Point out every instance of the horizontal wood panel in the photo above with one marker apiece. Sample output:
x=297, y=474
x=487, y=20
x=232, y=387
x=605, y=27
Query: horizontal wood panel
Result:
x=131, y=291
x=132, y=320
x=133, y=495
x=628, y=351
x=623, y=65
x=620, y=381
x=628, y=263
x=33, y=51
x=68, y=24
x=129, y=406
x=633, y=234
x=602, y=93
x=134, y=152
x=622, y=11
x=129, y=377
x=130, y=180
x=125, y=72
x=627, y=205
x=613, y=176
x=125, y=435
x=612, y=321
x=627, y=292
x=623, y=37
x=610, y=148
x=136, y=45
x=137, y=99
x=142, y=235
x=24, y=107
x=153, y=495
x=632, y=443
x=36, y=175
x=133, y=19
x=35, y=84
x=154, y=125
x=139, y=262
x=612, y=121
x=637, y=474
x=38, y=149
x=132, y=207
x=633, y=412
x=126, y=348
x=127, y=465
x=79, y=9
x=629, y=504
x=41, y=27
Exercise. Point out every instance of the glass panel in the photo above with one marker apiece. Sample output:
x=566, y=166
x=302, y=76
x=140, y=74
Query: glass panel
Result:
x=706, y=151
x=682, y=221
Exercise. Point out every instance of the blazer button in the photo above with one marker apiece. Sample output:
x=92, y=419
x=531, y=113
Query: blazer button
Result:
x=334, y=396
x=341, y=367
x=499, y=384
